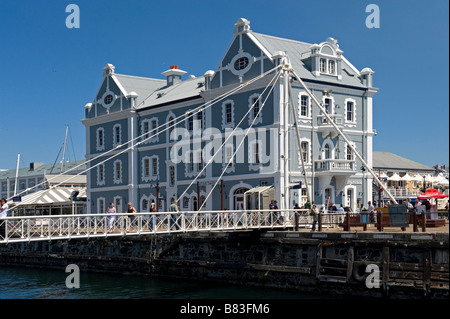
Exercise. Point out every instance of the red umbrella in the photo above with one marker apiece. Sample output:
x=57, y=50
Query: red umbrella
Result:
x=432, y=193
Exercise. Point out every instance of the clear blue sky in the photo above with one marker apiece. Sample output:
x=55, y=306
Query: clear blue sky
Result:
x=49, y=72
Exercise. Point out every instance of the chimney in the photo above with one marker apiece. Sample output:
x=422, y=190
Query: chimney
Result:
x=173, y=75
x=366, y=76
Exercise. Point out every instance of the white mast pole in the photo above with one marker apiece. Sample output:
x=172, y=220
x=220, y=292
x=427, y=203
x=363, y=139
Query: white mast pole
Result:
x=17, y=175
x=64, y=149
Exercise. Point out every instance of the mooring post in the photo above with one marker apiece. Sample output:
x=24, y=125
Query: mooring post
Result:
x=320, y=221
x=424, y=222
x=380, y=224
x=348, y=221
x=414, y=221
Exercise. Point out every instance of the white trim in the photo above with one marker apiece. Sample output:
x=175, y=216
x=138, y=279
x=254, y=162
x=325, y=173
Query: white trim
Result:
x=308, y=110
x=332, y=149
x=252, y=165
x=98, y=205
x=151, y=130
x=308, y=152
x=170, y=114
x=120, y=173
x=101, y=169
x=119, y=208
x=332, y=103
x=115, y=143
x=354, y=111
x=151, y=176
x=241, y=54
x=224, y=114
x=251, y=114
x=241, y=184
x=99, y=147
x=353, y=203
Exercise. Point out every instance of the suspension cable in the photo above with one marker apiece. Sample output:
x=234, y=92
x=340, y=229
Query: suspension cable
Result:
x=183, y=117
x=229, y=136
x=240, y=144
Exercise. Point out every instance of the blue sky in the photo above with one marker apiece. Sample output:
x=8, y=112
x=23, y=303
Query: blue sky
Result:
x=49, y=72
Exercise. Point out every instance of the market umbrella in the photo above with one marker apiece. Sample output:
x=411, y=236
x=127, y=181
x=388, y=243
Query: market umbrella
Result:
x=432, y=193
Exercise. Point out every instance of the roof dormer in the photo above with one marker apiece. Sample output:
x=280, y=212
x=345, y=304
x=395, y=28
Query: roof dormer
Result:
x=326, y=59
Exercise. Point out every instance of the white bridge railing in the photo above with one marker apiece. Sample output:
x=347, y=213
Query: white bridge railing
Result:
x=53, y=227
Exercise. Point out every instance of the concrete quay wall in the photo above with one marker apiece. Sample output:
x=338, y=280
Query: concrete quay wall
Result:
x=405, y=264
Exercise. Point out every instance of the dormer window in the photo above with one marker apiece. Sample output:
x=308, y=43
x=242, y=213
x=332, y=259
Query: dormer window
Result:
x=328, y=66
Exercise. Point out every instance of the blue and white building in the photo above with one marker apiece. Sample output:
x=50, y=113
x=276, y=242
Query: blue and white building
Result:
x=131, y=109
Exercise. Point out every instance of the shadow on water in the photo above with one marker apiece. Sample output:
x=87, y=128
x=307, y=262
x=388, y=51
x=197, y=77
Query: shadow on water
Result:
x=37, y=283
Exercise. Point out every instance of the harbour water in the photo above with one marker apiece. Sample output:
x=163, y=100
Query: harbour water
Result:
x=38, y=283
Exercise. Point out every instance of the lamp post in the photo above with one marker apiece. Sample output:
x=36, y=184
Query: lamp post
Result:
x=157, y=197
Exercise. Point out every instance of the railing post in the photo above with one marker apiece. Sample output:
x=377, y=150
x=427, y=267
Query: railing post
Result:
x=320, y=221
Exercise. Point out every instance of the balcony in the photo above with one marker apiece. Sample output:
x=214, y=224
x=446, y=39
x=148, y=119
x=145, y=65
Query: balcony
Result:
x=326, y=128
x=335, y=167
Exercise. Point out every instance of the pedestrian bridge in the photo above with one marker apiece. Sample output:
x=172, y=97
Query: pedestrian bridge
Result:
x=64, y=227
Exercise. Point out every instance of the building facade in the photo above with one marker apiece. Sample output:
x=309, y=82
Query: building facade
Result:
x=152, y=140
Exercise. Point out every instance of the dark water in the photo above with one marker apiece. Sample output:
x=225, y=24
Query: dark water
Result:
x=36, y=283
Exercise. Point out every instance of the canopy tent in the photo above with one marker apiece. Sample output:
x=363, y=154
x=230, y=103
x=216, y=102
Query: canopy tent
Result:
x=417, y=178
x=383, y=175
x=406, y=178
x=394, y=178
x=441, y=180
x=432, y=193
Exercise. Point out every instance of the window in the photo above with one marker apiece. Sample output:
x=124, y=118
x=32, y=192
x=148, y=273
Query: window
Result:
x=255, y=115
x=328, y=66
x=229, y=155
x=191, y=162
x=349, y=153
x=200, y=120
x=255, y=153
x=190, y=122
x=171, y=127
x=350, y=110
x=171, y=175
x=305, y=151
x=117, y=135
x=100, y=139
x=149, y=130
x=323, y=65
x=195, y=121
x=117, y=171
x=227, y=114
x=241, y=63
x=108, y=99
x=150, y=168
x=327, y=151
x=328, y=105
x=154, y=166
x=200, y=161
x=101, y=205
x=101, y=174
x=331, y=66
x=304, y=106
x=185, y=202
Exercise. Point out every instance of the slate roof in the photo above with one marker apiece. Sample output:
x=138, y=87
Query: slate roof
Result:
x=386, y=160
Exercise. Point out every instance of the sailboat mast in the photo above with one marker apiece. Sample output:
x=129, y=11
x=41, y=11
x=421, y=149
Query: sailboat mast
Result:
x=17, y=175
x=64, y=148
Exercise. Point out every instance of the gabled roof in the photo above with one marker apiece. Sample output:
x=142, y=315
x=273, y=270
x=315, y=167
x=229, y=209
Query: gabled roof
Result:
x=298, y=51
x=44, y=169
x=386, y=160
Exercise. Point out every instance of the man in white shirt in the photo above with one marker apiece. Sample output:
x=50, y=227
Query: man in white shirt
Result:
x=3, y=214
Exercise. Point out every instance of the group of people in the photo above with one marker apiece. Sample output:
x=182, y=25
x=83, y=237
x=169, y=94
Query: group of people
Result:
x=111, y=211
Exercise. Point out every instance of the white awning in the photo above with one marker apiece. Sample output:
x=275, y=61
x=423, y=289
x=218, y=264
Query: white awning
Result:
x=55, y=196
x=395, y=177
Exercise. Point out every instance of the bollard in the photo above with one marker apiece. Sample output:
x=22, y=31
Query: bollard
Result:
x=320, y=221
x=424, y=222
x=414, y=222
x=296, y=221
x=348, y=221
x=380, y=224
